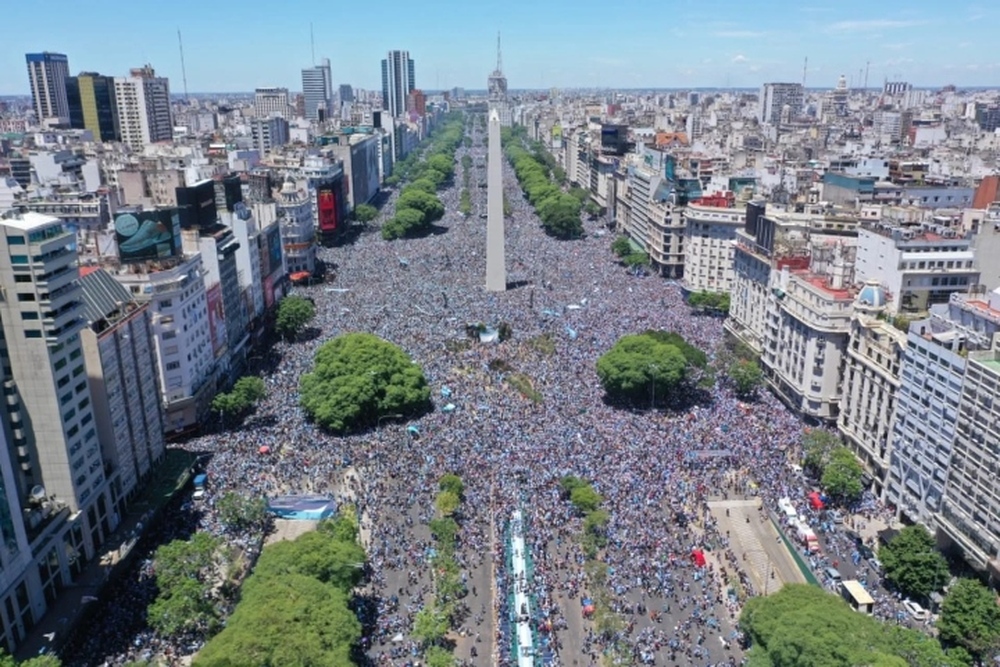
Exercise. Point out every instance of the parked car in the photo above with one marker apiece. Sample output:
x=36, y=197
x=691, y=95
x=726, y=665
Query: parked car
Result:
x=916, y=611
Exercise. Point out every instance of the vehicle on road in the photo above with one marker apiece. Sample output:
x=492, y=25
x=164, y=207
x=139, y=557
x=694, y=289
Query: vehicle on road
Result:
x=807, y=537
x=916, y=611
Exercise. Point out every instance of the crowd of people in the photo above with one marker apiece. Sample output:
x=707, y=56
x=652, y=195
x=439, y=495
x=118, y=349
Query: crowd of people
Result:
x=510, y=451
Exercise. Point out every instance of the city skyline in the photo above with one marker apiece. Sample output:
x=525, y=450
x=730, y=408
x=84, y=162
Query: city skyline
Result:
x=553, y=45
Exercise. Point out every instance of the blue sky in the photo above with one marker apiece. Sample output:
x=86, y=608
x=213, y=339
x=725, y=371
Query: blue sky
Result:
x=232, y=46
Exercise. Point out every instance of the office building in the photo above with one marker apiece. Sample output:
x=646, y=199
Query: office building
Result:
x=398, y=80
x=143, y=101
x=871, y=380
x=47, y=74
x=121, y=370
x=711, y=226
x=317, y=91
x=268, y=102
x=773, y=100
x=268, y=133
x=92, y=105
x=346, y=93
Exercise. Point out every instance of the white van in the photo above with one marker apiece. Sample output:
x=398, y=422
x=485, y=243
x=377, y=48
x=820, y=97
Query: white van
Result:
x=916, y=611
x=788, y=510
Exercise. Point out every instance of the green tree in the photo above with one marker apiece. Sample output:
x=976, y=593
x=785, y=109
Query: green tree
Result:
x=418, y=200
x=358, y=378
x=392, y=180
x=430, y=625
x=570, y=482
x=423, y=184
x=185, y=573
x=746, y=376
x=365, y=213
x=641, y=368
x=250, y=389
x=437, y=656
x=444, y=530
x=913, y=564
x=842, y=475
x=592, y=208
x=465, y=202
x=406, y=222
x=817, y=445
x=452, y=482
x=294, y=313
x=228, y=404
x=317, y=554
x=47, y=660
x=970, y=618
x=240, y=513
x=635, y=259
x=447, y=503
x=621, y=246
x=443, y=164
x=585, y=499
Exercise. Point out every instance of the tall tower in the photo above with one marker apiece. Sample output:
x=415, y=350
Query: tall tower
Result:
x=496, y=266
x=47, y=74
x=317, y=90
x=143, y=102
x=496, y=86
x=398, y=81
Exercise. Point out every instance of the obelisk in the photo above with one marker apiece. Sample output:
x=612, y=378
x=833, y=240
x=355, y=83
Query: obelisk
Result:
x=496, y=269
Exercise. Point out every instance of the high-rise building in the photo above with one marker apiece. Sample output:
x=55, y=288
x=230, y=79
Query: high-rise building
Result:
x=774, y=97
x=269, y=102
x=496, y=87
x=143, y=101
x=416, y=102
x=92, y=105
x=346, y=93
x=268, y=133
x=398, y=80
x=47, y=74
x=317, y=91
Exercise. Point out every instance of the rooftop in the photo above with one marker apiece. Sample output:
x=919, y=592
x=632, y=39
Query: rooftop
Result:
x=28, y=221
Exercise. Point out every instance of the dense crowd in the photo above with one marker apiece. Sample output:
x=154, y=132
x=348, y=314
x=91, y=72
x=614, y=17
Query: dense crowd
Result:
x=510, y=451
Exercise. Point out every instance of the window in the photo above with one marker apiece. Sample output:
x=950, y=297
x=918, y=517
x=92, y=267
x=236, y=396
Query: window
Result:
x=22, y=277
x=29, y=315
x=15, y=240
x=173, y=365
x=26, y=297
x=30, y=333
x=18, y=259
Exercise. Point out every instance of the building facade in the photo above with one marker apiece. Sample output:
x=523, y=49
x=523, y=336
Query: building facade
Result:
x=317, y=91
x=47, y=73
x=398, y=81
x=143, y=101
x=709, y=246
x=268, y=102
x=92, y=105
x=268, y=133
x=298, y=230
x=775, y=97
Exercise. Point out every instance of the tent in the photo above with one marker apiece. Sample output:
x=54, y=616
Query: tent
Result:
x=815, y=501
x=699, y=557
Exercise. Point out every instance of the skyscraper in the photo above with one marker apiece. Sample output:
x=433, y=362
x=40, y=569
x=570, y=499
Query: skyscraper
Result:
x=143, y=101
x=774, y=97
x=398, y=80
x=92, y=105
x=317, y=90
x=47, y=74
x=346, y=93
x=496, y=87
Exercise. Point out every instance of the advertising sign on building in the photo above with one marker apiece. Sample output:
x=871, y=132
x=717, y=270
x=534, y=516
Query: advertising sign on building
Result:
x=274, y=250
x=268, y=292
x=148, y=235
x=327, y=205
x=216, y=319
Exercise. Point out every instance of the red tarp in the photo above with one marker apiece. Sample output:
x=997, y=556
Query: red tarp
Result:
x=699, y=557
x=815, y=501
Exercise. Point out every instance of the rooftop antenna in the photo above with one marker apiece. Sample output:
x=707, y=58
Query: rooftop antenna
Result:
x=805, y=68
x=184, y=76
x=867, y=65
x=312, y=44
x=499, y=56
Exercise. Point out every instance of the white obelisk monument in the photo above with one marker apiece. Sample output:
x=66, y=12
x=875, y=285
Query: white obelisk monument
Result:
x=496, y=269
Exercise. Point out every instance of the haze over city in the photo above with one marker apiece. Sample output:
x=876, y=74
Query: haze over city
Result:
x=636, y=44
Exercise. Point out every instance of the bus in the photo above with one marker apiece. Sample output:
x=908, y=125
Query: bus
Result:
x=199, y=486
x=856, y=596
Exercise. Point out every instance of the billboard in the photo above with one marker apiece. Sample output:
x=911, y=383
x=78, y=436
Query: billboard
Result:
x=326, y=203
x=197, y=204
x=274, y=250
x=216, y=319
x=148, y=235
x=268, y=292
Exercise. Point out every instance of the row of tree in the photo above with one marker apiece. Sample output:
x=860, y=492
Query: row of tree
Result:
x=359, y=379
x=558, y=211
x=295, y=607
x=433, y=622
x=710, y=302
x=418, y=206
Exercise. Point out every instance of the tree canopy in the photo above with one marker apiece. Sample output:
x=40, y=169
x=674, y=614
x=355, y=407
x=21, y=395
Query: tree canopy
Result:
x=715, y=302
x=649, y=367
x=842, y=475
x=246, y=393
x=912, y=563
x=558, y=211
x=365, y=213
x=358, y=378
x=970, y=618
x=185, y=577
x=804, y=626
x=294, y=313
x=294, y=607
x=746, y=376
x=817, y=446
x=47, y=660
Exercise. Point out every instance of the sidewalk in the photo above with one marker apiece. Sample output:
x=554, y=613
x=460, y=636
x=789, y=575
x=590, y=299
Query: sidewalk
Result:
x=61, y=617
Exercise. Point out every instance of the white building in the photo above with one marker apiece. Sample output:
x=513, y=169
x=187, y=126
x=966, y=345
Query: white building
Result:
x=143, y=101
x=47, y=74
x=246, y=225
x=774, y=97
x=398, y=81
x=871, y=381
x=268, y=133
x=298, y=231
x=317, y=90
x=709, y=246
x=268, y=102
x=183, y=336
x=918, y=265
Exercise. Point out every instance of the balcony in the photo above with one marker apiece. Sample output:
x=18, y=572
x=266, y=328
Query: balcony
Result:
x=58, y=278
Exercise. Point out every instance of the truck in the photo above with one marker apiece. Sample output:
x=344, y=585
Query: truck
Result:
x=200, y=481
x=807, y=537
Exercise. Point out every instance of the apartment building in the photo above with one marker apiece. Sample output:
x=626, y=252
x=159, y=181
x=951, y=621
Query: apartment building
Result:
x=806, y=332
x=920, y=265
x=268, y=102
x=871, y=381
x=121, y=369
x=709, y=243
x=143, y=101
x=298, y=231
